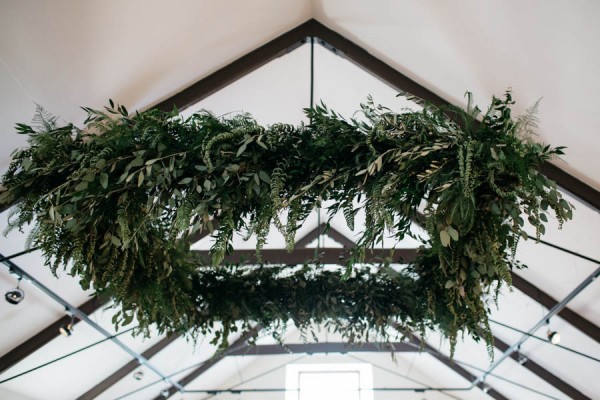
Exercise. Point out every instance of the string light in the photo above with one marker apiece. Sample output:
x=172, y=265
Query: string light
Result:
x=138, y=375
x=67, y=329
x=16, y=295
x=553, y=336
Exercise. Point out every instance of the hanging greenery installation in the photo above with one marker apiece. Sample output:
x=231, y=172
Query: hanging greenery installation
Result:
x=118, y=200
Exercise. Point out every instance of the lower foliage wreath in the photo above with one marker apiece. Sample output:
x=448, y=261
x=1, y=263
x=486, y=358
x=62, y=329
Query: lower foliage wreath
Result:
x=118, y=201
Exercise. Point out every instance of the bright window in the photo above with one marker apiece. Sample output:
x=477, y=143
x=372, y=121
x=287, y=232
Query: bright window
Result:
x=329, y=382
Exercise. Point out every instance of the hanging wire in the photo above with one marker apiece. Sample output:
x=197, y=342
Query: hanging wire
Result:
x=463, y=363
x=312, y=104
x=545, y=340
x=66, y=355
x=260, y=375
x=520, y=385
x=189, y=367
x=16, y=79
x=563, y=249
x=27, y=251
x=404, y=376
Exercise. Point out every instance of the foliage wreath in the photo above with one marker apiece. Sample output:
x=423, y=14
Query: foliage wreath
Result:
x=117, y=200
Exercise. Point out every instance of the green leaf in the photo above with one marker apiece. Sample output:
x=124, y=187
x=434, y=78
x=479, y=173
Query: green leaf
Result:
x=445, y=238
x=89, y=177
x=496, y=209
x=449, y=284
x=241, y=150
x=27, y=164
x=137, y=162
x=185, y=181
x=104, y=180
x=82, y=186
x=494, y=155
x=264, y=176
x=453, y=233
x=115, y=240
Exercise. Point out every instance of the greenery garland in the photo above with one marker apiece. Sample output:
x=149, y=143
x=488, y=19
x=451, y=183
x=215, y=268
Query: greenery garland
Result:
x=116, y=201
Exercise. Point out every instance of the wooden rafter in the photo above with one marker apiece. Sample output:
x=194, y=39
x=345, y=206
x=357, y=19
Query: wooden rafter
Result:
x=324, y=229
x=301, y=256
x=128, y=368
x=585, y=326
x=542, y=373
x=41, y=338
x=217, y=356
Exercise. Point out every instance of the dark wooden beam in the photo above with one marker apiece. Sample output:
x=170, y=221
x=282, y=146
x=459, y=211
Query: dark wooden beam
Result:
x=543, y=373
x=368, y=62
x=576, y=187
x=323, y=229
x=218, y=356
x=585, y=326
x=315, y=348
x=323, y=256
x=45, y=335
x=455, y=367
x=239, y=68
x=127, y=369
x=322, y=348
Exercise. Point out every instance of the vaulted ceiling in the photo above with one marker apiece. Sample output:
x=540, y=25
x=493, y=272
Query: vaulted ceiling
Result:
x=66, y=54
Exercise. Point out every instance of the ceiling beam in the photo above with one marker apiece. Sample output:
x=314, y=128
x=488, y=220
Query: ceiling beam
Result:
x=327, y=230
x=241, y=67
x=127, y=369
x=448, y=362
x=322, y=348
x=574, y=186
x=332, y=347
x=217, y=356
x=43, y=337
x=585, y=326
x=542, y=372
x=301, y=256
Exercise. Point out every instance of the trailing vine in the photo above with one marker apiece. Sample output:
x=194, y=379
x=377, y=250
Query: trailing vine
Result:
x=117, y=200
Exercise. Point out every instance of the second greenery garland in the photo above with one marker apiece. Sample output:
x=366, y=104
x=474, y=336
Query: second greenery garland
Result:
x=117, y=200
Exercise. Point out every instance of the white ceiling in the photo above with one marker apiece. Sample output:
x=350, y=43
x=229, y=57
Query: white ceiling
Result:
x=64, y=54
